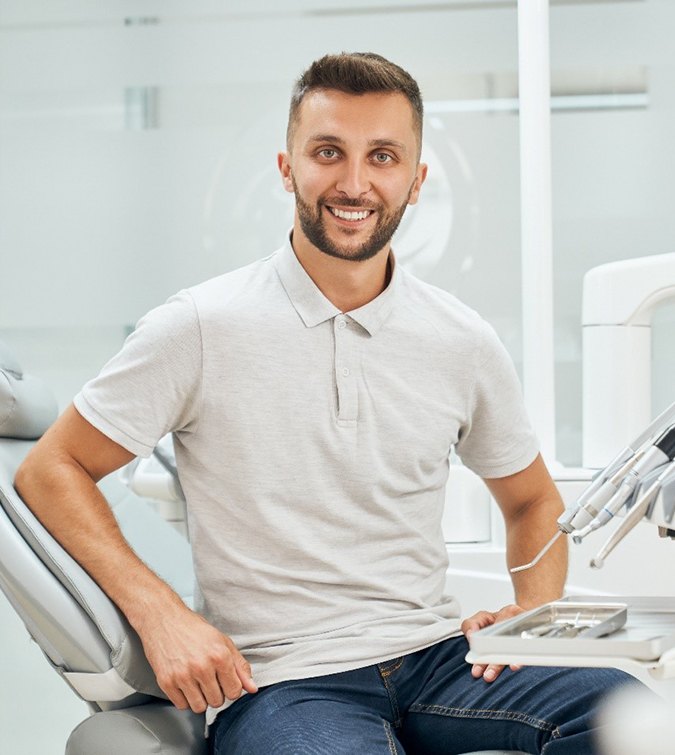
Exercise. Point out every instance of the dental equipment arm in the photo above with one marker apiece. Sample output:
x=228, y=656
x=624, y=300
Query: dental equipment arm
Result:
x=637, y=511
x=645, y=462
x=618, y=483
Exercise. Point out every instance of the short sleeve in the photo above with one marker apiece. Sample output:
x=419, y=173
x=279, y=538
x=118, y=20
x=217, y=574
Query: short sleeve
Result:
x=498, y=439
x=153, y=385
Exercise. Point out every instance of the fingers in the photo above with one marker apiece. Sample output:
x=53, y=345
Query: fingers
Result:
x=199, y=672
x=484, y=619
x=489, y=672
x=478, y=621
x=175, y=696
x=243, y=669
x=208, y=687
x=229, y=684
x=508, y=612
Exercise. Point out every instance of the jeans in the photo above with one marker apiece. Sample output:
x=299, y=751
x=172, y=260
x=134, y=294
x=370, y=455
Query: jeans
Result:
x=425, y=703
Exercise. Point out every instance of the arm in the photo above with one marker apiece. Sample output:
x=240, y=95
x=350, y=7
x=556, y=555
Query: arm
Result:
x=194, y=663
x=530, y=504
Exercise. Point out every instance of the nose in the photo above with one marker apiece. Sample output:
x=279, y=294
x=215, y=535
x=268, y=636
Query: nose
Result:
x=353, y=180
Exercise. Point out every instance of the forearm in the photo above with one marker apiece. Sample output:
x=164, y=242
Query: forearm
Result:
x=195, y=664
x=65, y=498
x=527, y=533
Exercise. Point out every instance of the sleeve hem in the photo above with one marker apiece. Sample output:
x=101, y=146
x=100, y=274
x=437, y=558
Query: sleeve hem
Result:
x=505, y=469
x=136, y=447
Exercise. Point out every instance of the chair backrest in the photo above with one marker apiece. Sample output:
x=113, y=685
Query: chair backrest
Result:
x=80, y=631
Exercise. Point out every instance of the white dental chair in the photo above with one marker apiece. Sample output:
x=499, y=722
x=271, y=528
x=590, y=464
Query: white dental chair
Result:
x=81, y=633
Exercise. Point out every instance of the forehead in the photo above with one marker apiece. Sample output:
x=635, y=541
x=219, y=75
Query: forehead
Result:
x=356, y=117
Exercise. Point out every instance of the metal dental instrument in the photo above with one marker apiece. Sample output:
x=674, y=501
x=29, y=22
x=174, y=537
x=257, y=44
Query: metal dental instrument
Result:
x=568, y=628
x=610, y=509
x=623, y=458
x=607, y=494
x=661, y=452
x=539, y=555
x=610, y=489
x=601, y=489
x=637, y=511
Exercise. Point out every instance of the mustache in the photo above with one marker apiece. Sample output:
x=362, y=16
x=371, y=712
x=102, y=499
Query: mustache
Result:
x=350, y=202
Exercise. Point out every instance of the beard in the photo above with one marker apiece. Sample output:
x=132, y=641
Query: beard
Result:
x=313, y=225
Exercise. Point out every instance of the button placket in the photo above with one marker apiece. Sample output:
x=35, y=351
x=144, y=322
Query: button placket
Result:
x=345, y=359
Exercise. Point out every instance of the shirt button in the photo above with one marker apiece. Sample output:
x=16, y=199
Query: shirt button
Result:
x=345, y=371
x=342, y=324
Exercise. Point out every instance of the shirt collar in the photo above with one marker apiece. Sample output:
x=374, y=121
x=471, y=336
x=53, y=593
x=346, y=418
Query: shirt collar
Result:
x=314, y=308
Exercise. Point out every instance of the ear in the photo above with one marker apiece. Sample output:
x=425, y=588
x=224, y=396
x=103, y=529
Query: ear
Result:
x=420, y=177
x=284, y=165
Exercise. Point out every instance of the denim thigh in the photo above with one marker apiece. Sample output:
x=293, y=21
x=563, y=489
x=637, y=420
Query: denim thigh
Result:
x=547, y=710
x=338, y=714
x=425, y=703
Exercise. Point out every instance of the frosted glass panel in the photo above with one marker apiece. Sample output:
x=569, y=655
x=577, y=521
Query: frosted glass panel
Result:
x=138, y=146
x=613, y=164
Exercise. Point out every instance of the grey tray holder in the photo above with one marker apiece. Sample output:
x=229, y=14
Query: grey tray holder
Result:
x=80, y=631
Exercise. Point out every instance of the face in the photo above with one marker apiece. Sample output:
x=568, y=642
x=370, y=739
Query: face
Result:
x=353, y=168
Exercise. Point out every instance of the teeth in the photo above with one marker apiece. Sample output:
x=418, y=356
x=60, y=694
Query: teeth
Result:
x=362, y=215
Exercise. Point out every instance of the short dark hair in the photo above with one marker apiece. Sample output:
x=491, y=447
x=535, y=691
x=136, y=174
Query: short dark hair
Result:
x=356, y=73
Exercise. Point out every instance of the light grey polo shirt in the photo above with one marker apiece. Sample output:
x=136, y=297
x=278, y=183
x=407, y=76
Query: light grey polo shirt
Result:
x=312, y=447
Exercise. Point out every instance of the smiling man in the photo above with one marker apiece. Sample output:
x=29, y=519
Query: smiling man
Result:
x=314, y=398
x=355, y=186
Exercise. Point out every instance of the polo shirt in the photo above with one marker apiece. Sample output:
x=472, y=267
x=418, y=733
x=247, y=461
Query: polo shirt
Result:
x=312, y=446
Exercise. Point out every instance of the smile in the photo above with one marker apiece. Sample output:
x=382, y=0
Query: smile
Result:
x=353, y=215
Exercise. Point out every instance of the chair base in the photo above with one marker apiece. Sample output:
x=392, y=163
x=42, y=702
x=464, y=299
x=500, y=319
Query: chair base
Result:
x=142, y=730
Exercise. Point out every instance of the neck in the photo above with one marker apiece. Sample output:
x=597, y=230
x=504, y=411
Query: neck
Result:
x=345, y=283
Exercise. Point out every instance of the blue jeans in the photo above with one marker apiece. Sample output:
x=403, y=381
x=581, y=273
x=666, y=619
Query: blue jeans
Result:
x=425, y=703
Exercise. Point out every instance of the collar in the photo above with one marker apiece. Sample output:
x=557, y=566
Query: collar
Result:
x=314, y=308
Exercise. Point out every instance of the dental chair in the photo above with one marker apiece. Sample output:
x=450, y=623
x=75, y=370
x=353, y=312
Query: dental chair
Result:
x=82, y=634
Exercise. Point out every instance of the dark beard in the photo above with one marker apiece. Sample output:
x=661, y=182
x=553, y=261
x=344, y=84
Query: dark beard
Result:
x=312, y=224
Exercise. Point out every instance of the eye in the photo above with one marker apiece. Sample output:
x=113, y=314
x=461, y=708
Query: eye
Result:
x=382, y=158
x=328, y=153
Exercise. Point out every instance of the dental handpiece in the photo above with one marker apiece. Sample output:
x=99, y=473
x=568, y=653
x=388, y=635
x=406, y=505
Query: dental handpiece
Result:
x=661, y=452
x=623, y=458
x=589, y=510
x=637, y=511
x=612, y=489
x=595, y=495
x=608, y=511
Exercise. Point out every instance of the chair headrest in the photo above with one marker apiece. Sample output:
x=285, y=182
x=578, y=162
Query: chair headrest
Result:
x=27, y=406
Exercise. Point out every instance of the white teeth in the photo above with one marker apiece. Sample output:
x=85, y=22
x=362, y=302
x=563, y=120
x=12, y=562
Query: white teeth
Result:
x=362, y=215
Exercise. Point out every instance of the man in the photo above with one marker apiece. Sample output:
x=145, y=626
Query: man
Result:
x=314, y=398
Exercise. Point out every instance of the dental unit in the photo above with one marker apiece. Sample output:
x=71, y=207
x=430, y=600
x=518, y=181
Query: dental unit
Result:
x=619, y=301
x=595, y=628
x=622, y=483
x=634, y=633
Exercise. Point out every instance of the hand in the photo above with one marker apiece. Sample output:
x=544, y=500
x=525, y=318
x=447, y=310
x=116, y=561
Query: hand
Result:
x=195, y=664
x=481, y=620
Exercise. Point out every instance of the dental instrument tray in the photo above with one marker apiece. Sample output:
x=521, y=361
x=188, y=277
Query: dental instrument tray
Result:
x=637, y=628
x=562, y=620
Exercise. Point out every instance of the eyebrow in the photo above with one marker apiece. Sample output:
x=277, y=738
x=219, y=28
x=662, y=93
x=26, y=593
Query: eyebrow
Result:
x=372, y=143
